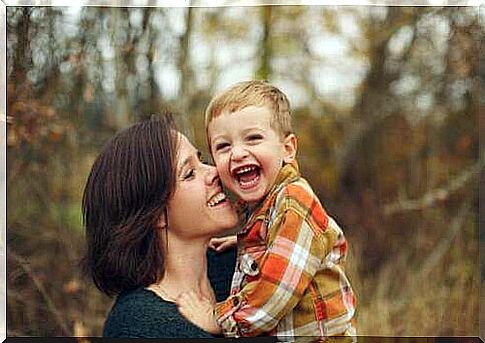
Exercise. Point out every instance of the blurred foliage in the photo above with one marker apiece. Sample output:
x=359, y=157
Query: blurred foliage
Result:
x=386, y=107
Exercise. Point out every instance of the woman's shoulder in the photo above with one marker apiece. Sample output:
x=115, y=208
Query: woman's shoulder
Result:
x=136, y=299
x=225, y=259
x=141, y=313
x=221, y=267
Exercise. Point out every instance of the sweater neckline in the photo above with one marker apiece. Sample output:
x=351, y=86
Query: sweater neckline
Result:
x=158, y=296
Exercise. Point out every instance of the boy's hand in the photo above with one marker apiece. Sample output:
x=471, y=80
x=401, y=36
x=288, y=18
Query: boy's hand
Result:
x=223, y=243
x=199, y=311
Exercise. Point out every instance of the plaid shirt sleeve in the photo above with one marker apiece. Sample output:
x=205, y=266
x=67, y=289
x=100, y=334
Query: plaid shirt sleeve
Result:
x=295, y=249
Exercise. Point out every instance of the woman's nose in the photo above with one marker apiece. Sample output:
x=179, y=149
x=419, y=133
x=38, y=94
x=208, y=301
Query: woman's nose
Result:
x=211, y=174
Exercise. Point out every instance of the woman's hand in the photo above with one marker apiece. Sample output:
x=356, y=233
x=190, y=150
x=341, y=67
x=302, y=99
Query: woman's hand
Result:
x=198, y=310
x=223, y=243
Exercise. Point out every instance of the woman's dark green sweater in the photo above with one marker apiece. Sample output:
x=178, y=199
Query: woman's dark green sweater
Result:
x=141, y=313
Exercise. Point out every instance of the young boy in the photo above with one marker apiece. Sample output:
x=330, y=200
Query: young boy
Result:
x=289, y=278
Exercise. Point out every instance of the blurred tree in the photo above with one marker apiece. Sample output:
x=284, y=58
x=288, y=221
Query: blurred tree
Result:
x=266, y=49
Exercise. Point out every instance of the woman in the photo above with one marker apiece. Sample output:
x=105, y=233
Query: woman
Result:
x=150, y=207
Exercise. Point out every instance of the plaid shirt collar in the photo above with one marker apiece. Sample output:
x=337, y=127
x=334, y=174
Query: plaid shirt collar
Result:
x=250, y=214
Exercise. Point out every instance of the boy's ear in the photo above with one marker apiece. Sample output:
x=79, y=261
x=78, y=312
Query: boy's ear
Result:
x=290, y=145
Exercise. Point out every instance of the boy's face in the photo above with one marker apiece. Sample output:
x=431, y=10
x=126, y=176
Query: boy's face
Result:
x=248, y=152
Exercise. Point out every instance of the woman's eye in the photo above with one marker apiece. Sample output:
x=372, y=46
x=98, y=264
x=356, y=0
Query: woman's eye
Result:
x=189, y=174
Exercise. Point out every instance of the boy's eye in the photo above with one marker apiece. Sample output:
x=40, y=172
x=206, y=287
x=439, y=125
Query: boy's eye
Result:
x=254, y=137
x=221, y=146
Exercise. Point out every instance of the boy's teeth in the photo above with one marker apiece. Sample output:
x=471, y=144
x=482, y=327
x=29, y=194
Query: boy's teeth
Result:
x=216, y=199
x=250, y=183
x=244, y=170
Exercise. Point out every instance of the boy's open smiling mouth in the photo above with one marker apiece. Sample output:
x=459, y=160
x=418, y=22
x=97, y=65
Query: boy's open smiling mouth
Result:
x=247, y=176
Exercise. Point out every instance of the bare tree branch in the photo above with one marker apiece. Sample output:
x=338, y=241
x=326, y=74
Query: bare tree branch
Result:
x=435, y=195
x=434, y=258
x=50, y=304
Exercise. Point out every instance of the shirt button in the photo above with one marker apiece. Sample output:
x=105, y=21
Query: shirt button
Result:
x=235, y=301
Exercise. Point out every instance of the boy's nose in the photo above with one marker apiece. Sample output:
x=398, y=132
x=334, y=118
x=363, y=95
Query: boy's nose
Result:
x=238, y=153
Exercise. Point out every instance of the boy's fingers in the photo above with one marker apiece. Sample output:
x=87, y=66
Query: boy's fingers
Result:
x=184, y=299
x=214, y=243
x=227, y=243
x=190, y=298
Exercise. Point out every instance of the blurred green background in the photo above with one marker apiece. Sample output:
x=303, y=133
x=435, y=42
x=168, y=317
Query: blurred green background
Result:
x=386, y=107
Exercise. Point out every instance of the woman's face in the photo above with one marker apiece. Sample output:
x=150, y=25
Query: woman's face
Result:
x=198, y=206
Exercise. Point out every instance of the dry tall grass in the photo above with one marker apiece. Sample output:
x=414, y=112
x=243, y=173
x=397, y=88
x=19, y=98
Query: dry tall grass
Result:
x=423, y=293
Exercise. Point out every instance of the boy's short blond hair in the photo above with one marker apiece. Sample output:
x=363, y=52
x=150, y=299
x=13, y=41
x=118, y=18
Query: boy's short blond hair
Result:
x=252, y=93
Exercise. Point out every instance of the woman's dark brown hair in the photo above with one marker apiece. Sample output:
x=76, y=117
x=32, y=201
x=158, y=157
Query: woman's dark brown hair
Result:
x=125, y=195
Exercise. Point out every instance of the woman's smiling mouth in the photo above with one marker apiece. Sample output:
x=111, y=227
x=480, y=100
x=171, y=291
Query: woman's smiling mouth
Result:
x=217, y=199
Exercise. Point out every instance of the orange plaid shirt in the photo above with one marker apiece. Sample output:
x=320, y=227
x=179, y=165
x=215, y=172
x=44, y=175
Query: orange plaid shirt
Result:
x=289, y=279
